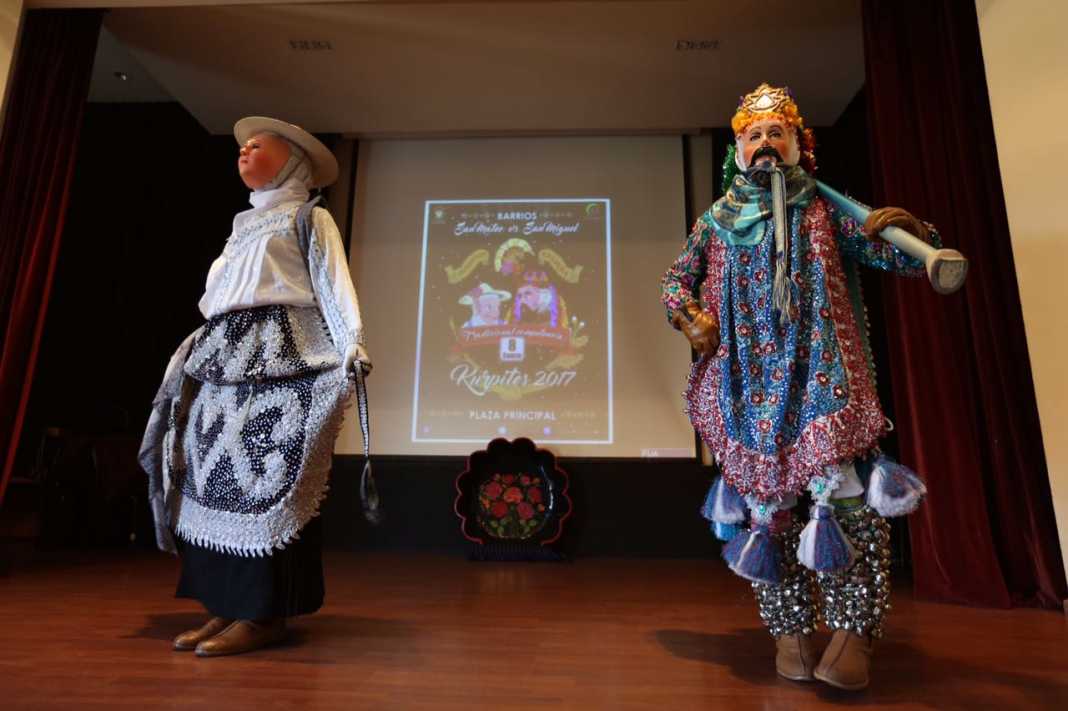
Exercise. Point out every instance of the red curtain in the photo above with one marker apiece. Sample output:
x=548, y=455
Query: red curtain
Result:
x=963, y=394
x=49, y=86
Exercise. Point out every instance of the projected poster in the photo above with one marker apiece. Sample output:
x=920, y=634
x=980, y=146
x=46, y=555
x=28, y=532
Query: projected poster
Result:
x=515, y=322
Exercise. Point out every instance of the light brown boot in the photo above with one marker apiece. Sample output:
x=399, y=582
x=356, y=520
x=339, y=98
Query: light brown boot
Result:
x=188, y=641
x=794, y=657
x=846, y=661
x=243, y=636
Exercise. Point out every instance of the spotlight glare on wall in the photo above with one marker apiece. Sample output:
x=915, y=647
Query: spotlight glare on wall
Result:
x=121, y=76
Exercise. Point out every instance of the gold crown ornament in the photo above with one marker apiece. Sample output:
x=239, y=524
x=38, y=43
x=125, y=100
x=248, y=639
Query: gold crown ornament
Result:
x=766, y=102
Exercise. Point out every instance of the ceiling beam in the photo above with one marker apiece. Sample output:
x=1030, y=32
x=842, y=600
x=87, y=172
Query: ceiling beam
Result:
x=116, y=4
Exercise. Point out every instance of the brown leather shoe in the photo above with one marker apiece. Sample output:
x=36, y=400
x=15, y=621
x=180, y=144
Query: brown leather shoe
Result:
x=188, y=641
x=846, y=661
x=243, y=636
x=794, y=657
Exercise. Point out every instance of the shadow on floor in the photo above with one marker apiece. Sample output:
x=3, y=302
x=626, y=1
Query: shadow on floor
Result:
x=902, y=672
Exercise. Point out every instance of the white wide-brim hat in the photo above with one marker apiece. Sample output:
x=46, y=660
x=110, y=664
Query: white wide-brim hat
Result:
x=323, y=162
x=481, y=290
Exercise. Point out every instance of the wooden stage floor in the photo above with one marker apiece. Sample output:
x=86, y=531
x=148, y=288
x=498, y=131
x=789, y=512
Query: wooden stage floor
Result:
x=431, y=632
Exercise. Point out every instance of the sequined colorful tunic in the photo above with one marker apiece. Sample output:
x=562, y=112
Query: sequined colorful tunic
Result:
x=777, y=402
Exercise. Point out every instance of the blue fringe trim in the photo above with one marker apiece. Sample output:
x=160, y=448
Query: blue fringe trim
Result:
x=723, y=504
x=755, y=555
x=725, y=531
x=824, y=546
x=894, y=489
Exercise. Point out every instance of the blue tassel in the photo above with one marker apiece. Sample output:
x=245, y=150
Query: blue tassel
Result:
x=824, y=546
x=725, y=531
x=755, y=556
x=894, y=489
x=723, y=503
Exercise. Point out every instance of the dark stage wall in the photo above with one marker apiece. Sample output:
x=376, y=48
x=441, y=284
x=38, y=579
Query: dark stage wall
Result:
x=621, y=507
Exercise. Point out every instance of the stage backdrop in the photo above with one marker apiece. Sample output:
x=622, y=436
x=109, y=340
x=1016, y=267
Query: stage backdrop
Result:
x=509, y=288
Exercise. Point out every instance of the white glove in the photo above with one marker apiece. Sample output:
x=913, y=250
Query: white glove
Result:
x=358, y=354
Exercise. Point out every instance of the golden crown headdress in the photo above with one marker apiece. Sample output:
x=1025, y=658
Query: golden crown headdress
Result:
x=765, y=102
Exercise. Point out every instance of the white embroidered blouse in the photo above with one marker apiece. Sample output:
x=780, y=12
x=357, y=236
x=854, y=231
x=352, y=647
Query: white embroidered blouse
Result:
x=262, y=264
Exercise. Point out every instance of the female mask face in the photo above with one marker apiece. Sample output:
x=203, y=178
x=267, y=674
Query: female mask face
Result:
x=260, y=159
x=765, y=135
x=489, y=307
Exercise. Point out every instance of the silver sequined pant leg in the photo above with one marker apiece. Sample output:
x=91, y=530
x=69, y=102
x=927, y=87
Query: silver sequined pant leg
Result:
x=859, y=598
x=789, y=608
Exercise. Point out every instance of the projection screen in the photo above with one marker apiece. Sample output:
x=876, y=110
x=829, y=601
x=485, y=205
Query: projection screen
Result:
x=509, y=287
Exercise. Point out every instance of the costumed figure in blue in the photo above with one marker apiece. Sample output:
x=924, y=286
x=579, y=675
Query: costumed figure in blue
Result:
x=783, y=393
x=239, y=444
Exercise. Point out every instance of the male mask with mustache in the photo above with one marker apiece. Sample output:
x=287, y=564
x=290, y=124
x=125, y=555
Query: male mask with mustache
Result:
x=766, y=151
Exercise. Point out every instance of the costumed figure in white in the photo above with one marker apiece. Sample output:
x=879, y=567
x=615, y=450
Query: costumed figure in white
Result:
x=239, y=445
x=485, y=303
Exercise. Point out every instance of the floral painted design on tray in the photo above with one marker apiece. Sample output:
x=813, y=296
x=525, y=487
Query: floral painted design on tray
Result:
x=512, y=506
x=513, y=493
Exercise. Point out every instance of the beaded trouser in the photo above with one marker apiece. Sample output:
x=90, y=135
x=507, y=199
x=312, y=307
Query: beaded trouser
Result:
x=855, y=599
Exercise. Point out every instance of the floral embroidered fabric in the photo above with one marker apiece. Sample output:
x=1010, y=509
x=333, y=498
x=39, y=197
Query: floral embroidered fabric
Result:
x=779, y=401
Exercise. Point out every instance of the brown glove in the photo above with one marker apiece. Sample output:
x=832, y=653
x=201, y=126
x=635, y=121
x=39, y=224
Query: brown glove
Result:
x=700, y=328
x=884, y=217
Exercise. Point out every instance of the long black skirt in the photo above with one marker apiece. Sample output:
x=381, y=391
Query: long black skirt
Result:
x=285, y=584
